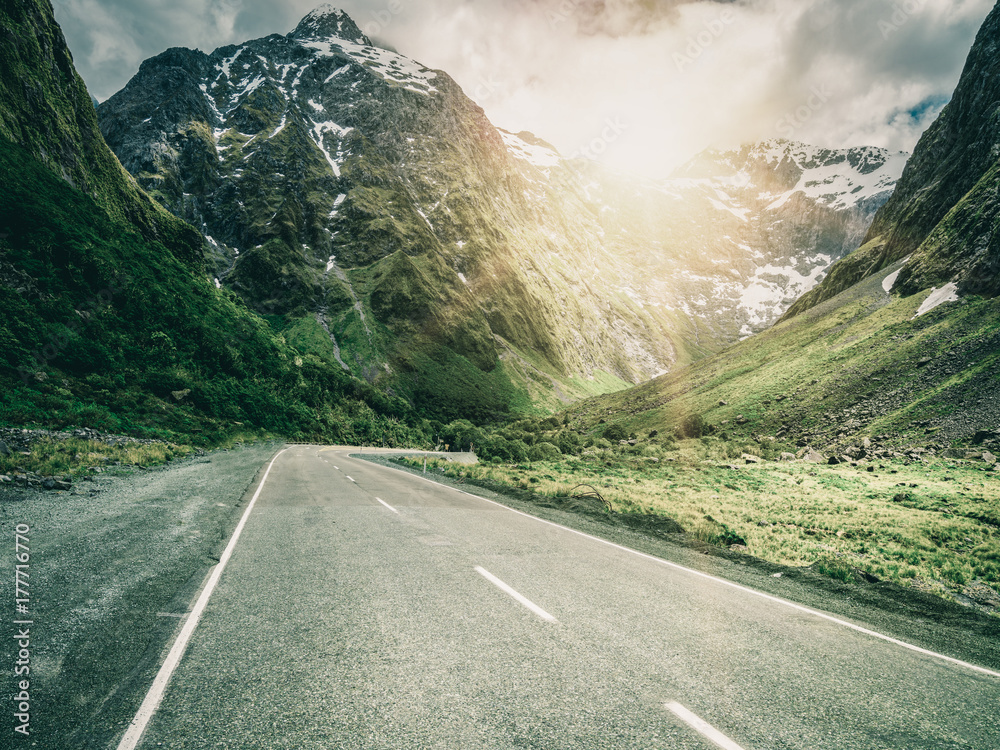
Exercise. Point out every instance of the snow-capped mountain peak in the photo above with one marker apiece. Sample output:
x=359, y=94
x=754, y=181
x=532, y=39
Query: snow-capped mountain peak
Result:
x=777, y=170
x=327, y=22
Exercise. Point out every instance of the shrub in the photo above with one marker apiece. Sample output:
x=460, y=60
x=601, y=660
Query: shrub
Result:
x=615, y=433
x=691, y=426
x=544, y=452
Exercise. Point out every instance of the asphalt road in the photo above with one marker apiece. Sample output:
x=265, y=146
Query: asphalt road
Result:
x=366, y=608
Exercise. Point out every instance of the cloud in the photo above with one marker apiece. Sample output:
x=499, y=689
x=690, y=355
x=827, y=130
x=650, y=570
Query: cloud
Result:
x=675, y=76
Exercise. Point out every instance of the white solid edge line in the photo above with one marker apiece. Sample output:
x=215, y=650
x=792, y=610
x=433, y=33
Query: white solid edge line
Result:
x=387, y=505
x=514, y=595
x=723, y=581
x=702, y=727
x=159, y=686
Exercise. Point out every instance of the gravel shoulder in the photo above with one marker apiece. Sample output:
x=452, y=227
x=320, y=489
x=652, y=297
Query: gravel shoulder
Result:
x=112, y=574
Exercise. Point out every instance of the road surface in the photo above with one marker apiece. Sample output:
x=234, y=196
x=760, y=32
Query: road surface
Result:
x=363, y=607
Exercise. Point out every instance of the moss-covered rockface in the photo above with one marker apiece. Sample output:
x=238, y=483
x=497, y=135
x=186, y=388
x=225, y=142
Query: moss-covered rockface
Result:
x=106, y=317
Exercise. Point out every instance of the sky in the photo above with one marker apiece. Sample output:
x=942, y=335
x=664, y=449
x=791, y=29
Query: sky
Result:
x=641, y=85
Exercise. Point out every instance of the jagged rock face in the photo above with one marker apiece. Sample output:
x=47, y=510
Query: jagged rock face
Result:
x=332, y=176
x=944, y=211
x=337, y=179
x=741, y=234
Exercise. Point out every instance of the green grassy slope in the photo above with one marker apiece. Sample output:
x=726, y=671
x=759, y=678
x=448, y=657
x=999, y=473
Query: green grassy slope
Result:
x=859, y=365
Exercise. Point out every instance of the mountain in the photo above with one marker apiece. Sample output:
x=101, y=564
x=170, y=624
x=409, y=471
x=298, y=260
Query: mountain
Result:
x=898, y=346
x=367, y=196
x=106, y=317
x=944, y=210
x=364, y=203
x=740, y=235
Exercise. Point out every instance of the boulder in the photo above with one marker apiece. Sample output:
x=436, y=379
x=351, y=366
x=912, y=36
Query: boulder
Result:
x=787, y=456
x=4, y=449
x=813, y=457
x=989, y=458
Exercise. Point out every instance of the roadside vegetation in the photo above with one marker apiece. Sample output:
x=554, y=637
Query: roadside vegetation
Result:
x=73, y=457
x=928, y=523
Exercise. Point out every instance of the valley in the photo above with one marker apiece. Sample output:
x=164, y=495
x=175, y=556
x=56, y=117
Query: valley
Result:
x=780, y=353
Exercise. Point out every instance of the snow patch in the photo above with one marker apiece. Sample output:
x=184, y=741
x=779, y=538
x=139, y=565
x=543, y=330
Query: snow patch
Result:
x=336, y=73
x=389, y=66
x=938, y=297
x=890, y=281
x=538, y=156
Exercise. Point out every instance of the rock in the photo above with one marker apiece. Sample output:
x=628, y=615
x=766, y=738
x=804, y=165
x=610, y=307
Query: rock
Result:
x=813, y=457
x=924, y=362
x=49, y=483
x=751, y=459
x=864, y=576
x=4, y=479
x=723, y=403
x=834, y=461
x=4, y=449
x=738, y=547
x=740, y=419
x=180, y=395
x=779, y=399
x=982, y=436
x=989, y=458
x=866, y=444
x=983, y=595
x=787, y=456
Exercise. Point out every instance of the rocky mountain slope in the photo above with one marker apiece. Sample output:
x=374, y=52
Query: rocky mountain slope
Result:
x=369, y=203
x=106, y=317
x=739, y=235
x=943, y=214
x=904, y=356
